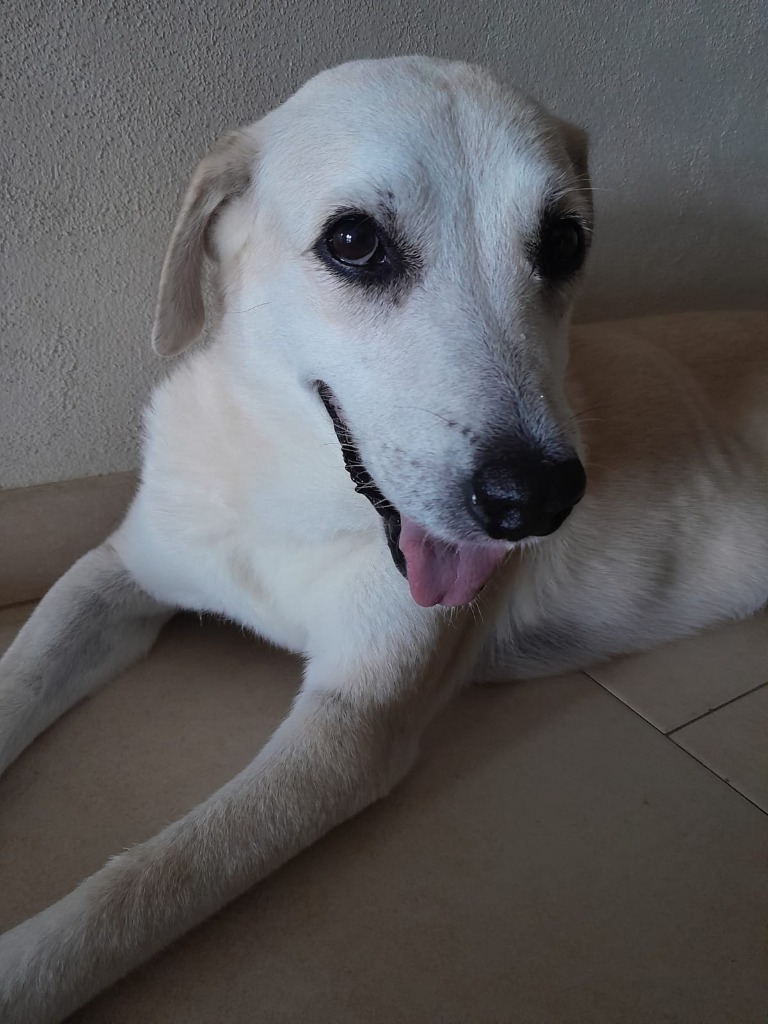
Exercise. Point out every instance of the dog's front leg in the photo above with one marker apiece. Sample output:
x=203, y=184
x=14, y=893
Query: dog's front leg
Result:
x=91, y=625
x=345, y=744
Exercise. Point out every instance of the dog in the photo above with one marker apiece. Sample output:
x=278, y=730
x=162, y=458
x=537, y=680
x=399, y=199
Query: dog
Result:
x=391, y=460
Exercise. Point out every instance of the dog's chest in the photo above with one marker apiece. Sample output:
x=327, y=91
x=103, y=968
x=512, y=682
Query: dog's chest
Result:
x=244, y=516
x=274, y=584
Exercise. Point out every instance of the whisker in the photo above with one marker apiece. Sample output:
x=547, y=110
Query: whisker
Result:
x=259, y=305
x=581, y=420
x=429, y=412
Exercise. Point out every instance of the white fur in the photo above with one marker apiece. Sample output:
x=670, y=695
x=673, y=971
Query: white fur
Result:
x=245, y=508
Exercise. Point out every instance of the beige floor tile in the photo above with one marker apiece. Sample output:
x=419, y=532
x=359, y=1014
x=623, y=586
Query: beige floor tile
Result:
x=552, y=859
x=733, y=742
x=11, y=621
x=676, y=683
x=44, y=530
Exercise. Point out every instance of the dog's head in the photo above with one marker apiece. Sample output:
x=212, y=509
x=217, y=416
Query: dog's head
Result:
x=408, y=232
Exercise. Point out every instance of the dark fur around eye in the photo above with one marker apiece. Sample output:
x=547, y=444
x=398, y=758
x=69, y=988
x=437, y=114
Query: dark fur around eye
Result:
x=559, y=248
x=358, y=248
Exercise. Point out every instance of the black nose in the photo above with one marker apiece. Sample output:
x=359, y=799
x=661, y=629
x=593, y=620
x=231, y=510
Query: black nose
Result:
x=525, y=495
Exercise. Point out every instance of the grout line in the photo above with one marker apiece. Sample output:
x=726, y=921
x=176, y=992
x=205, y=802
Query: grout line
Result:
x=727, y=782
x=711, y=711
x=621, y=700
x=677, y=746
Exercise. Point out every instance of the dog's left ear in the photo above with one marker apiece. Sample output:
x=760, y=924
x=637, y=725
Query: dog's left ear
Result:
x=223, y=174
x=576, y=143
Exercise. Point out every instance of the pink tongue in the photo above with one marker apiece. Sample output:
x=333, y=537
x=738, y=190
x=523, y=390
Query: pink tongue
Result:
x=447, y=574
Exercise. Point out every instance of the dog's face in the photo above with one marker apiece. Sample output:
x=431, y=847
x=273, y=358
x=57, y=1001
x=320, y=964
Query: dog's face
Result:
x=409, y=233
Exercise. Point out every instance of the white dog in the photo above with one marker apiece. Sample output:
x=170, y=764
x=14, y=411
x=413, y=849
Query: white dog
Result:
x=386, y=413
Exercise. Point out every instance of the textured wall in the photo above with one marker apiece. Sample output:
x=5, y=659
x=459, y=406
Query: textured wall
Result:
x=106, y=107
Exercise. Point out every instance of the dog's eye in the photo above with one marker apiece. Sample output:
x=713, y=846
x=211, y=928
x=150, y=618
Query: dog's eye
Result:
x=354, y=241
x=560, y=248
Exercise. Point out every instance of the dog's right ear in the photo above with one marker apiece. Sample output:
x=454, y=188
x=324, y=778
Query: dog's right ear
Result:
x=223, y=174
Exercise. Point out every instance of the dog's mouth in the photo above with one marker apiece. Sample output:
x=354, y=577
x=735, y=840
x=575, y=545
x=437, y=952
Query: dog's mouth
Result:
x=362, y=479
x=437, y=572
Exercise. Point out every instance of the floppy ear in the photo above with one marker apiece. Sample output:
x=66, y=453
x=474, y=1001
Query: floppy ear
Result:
x=576, y=143
x=224, y=173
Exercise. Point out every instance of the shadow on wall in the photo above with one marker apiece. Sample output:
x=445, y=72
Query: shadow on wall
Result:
x=664, y=257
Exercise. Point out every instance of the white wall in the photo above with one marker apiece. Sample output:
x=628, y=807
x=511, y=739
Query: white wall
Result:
x=107, y=106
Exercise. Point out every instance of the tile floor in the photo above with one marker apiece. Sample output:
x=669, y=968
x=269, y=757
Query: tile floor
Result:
x=583, y=850
x=708, y=694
